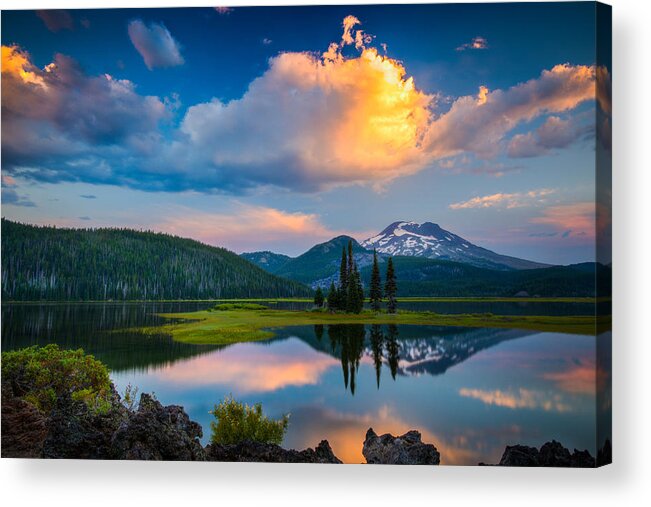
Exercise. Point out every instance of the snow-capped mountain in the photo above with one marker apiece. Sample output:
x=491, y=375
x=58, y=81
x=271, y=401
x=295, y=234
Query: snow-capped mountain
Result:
x=431, y=241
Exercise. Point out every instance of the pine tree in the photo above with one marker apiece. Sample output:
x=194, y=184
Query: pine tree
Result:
x=351, y=294
x=318, y=297
x=376, y=285
x=333, y=303
x=351, y=257
x=359, y=289
x=390, y=287
x=343, y=271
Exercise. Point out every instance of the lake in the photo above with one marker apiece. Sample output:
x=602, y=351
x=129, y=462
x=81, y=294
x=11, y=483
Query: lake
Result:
x=470, y=391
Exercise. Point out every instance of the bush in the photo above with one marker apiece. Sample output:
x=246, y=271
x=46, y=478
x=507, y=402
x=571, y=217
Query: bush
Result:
x=42, y=375
x=236, y=422
x=239, y=306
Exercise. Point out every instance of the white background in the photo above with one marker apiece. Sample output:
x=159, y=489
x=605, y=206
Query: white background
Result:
x=626, y=482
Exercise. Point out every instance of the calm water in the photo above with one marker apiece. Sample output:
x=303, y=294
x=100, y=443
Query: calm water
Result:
x=469, y=391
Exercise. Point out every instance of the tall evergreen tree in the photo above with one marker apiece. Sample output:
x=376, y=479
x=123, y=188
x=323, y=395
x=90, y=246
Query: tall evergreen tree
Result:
x=351, y=258
x=359, y=289
x=376, y=285
x=318, y=297
x=343, y=272
x=333, y=298
x=390, y=287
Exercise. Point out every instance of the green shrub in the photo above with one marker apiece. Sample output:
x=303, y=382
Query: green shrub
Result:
x=239, y=306
x=41, y=375
x=236, y=422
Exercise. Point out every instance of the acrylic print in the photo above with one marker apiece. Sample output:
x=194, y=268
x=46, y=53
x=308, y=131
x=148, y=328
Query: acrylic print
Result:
x=323, y=234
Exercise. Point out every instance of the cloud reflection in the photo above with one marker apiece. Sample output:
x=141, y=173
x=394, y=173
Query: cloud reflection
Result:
x=247, y=367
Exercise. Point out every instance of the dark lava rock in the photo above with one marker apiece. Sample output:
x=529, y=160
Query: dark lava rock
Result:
x=407, y=449
x=155, y=432
x=605, y=454
x=23, y=428
x=551, y=454
x=520, y=456
x=270, y=453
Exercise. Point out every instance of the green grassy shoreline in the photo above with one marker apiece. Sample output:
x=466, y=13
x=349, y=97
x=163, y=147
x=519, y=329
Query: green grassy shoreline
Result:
x=414, y=299
x=234, y=326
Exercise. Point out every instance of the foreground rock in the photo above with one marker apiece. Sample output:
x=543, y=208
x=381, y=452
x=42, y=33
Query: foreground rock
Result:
x=155, y=432
x=23, y=427
x=270, y=453
x=551, y=454
x=407, y=449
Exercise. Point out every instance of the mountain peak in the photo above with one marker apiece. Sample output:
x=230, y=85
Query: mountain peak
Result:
x=432, y=241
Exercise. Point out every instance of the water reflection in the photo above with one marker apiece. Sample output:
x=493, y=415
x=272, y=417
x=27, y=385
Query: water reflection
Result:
x=471, y=391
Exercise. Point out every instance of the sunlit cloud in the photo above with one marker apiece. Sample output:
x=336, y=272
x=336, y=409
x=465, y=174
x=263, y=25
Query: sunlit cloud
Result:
x=504, y=200
x=580, y=379
x=575, y=220
x=519, y=399
x=309, y=122
x=479, y=126
x=224, y=10
x=475, y=43
x=248, y=228
x=155, y=44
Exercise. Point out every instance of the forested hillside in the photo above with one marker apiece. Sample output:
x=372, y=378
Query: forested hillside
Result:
x=48, y=263
x=419, y=276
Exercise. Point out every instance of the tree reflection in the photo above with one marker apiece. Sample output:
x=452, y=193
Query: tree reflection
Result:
x=377, y=346
x=348, y=342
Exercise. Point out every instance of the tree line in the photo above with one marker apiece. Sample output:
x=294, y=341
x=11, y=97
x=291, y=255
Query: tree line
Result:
x=49, y=263
x=348, y=295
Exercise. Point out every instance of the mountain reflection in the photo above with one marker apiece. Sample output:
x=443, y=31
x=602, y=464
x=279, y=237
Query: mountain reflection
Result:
x=405, y=350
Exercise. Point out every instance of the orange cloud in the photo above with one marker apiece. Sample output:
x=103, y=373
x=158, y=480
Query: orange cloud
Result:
x=248, y=227
x=577, y=380
x=521, y=398
x=513, y=200
x=16, y=62
x=576, y=219
x=250, y=368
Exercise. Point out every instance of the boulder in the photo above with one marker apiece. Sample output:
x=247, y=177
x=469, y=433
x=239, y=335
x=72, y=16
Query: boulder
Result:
x=155, y=432
x=605, y=454
x=551, y=454
x=270, y=453
x=520, y=456
x=407, y=449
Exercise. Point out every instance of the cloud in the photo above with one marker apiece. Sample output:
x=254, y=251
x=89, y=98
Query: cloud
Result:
x=266, y=41
x=60, y=124
x=10, y=196
x=250, y=228
x=502, y=200
x=308, y=123
x=56, y=20
x=555, y=133
x=155, y=44
x=475, y=43
x=479, y=124
x=577, y=219
x=519, y=399
x=224, y=10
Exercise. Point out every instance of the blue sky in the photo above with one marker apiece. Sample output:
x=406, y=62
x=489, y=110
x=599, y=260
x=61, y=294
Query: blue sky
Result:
x=242, y=129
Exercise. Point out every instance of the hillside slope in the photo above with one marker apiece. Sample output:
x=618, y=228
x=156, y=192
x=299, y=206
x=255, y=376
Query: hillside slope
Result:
x=48, y=263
